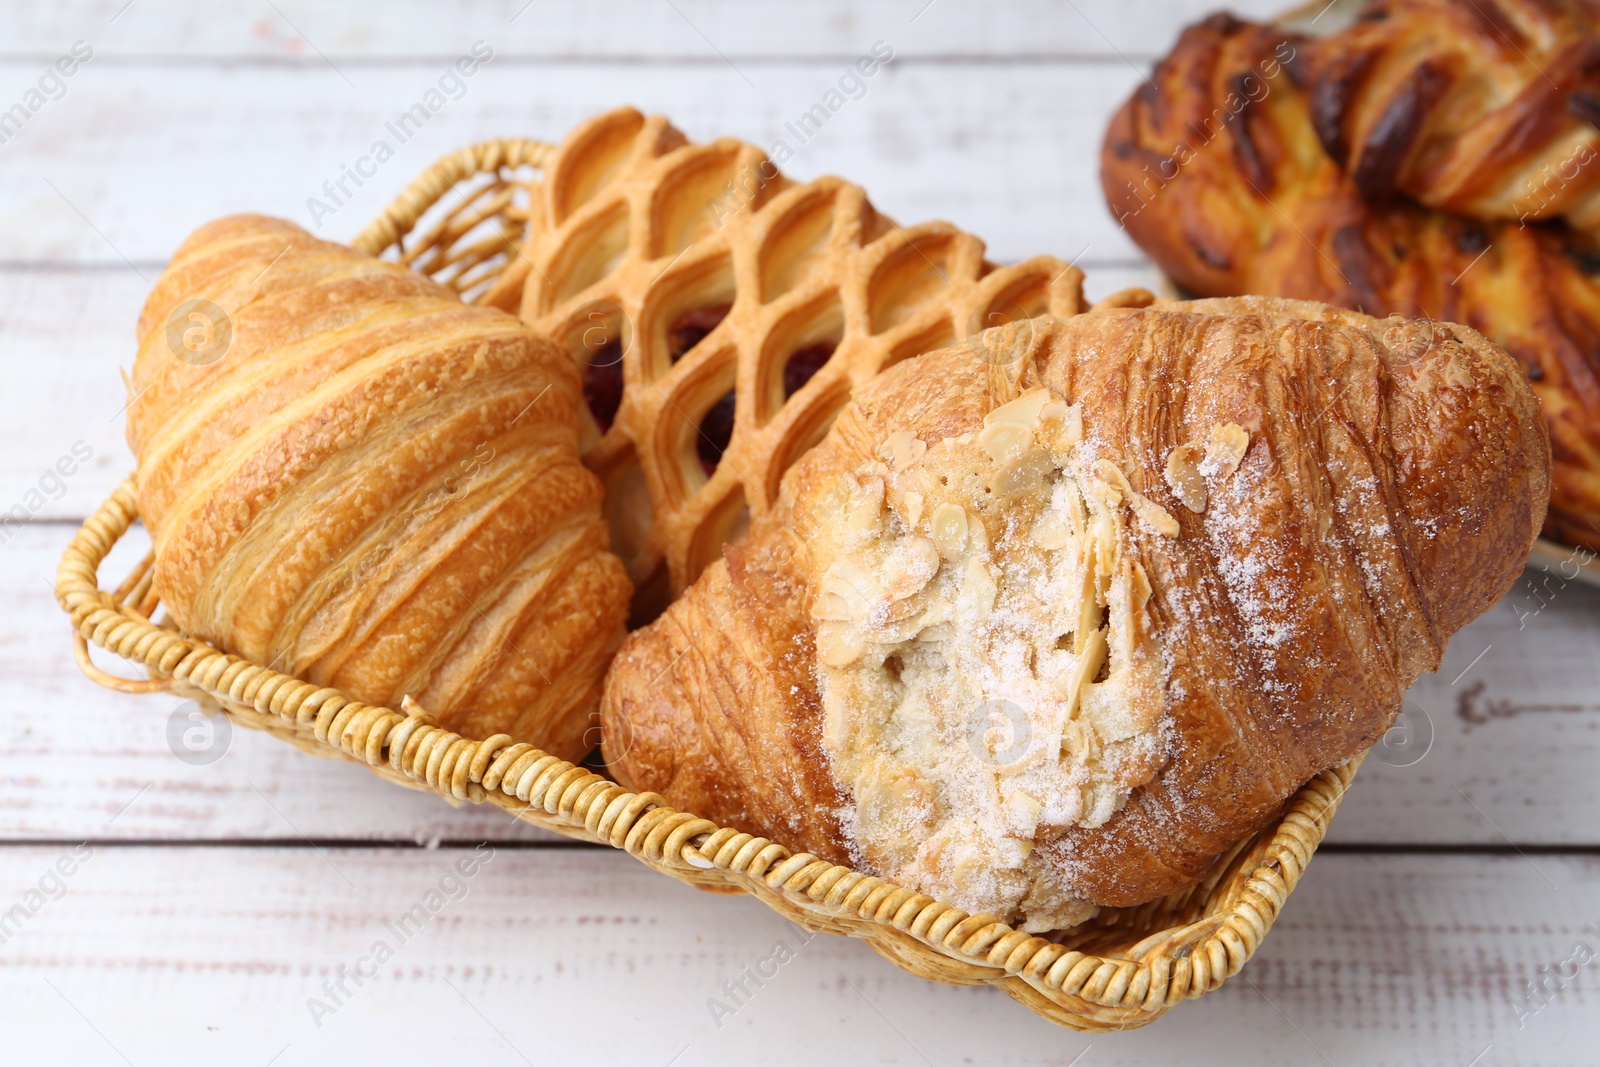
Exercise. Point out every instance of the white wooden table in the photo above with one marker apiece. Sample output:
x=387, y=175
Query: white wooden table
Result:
x=211, y=908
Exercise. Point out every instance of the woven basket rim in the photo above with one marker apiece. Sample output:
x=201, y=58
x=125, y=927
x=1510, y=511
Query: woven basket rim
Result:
x=1079, y=989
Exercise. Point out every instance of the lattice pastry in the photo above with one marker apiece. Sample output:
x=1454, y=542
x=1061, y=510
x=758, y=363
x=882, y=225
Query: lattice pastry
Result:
x=724, y=314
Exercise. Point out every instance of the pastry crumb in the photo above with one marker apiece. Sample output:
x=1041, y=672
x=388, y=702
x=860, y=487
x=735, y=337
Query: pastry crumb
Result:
x=980, y=656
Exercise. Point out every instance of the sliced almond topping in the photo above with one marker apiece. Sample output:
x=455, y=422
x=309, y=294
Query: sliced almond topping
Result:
x=910, y=566
x=1075, y=506
x=1089, y=605
x=1053, y=531
x=1105, y=534
x=891, y=613
x=1090, y=658
x=1100, y=801
x=1074, y=741
x=978, y=588
x=1072, y=426
x=1114, y=486
x=1112, y=474
x=1141, y=586
x=1184, y=478
x=913, y=508
x=849, y=581
x=932, y=619
x=901, y=449
x=1022, y=813
x=1155, y=516
x=950, y=530
x=1225, y=449
x=911, y=803
x=831, y=606
x=1024, y=472
x=1024, y=410
x=839, y=644
x=1002, y=440
x=866, y=507
x=1061, y=427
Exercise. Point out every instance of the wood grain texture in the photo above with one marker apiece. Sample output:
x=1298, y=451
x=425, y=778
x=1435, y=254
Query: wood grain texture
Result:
x=990, y=116
x=211, y=955
x=63, y=334
x=573, y=30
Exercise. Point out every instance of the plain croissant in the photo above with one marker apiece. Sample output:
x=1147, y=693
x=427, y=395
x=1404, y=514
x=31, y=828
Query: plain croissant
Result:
x=352, y=477
x=1052, y=619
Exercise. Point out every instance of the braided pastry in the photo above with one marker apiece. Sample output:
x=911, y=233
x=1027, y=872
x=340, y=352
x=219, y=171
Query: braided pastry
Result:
x=1052, y=632
x=356, y=479
x=1486, y=108
x=1216, y=170
x=723, y=313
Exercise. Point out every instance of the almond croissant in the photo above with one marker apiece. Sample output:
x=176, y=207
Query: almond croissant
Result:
x=351, y=476
x=1052, y=619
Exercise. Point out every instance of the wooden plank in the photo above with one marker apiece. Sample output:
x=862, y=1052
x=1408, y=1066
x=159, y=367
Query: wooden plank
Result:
x=134, y=157
x=63, y=335
x=1514, y=744
x=692, y=30
x=179, y=956
x=991, y=115
x=1516, y=699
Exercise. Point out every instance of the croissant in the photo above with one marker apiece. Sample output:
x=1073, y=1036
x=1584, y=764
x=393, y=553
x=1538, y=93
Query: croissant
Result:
x=1215, y=169
x=1048, y=632
x=1485, y=108
x=351, y=476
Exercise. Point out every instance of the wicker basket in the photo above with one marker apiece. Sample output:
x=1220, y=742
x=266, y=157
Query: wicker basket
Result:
x=1119, y=971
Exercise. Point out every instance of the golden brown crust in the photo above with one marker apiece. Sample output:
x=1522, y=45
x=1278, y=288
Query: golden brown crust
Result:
x=714, y=705
x=1482, y=108
x=1393, y=480
x=1216, y=170
x=374, y=487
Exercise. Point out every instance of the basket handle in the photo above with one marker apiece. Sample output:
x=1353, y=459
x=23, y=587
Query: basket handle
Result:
x=402, y=213
x=80, y=651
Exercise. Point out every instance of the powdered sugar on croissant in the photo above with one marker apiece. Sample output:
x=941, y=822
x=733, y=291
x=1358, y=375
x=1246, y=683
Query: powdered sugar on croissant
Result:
x=984, y=689
x=1055, y=633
